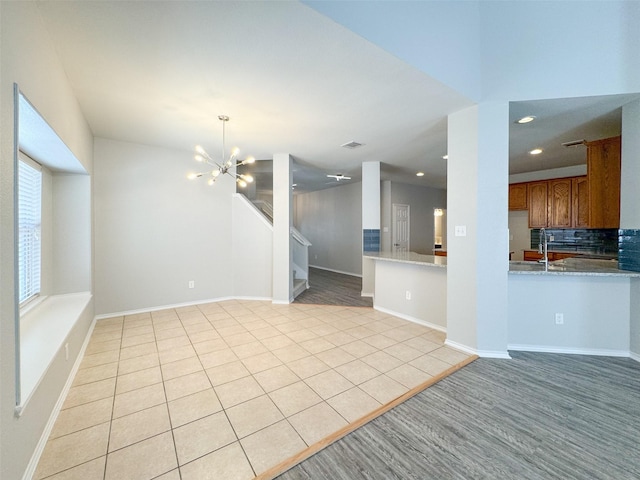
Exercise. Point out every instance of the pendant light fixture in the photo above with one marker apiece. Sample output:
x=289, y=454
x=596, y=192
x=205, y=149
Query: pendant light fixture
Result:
x=220, y=169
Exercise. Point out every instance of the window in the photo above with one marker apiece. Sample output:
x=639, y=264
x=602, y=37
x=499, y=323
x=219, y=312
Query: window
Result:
x=29, y=226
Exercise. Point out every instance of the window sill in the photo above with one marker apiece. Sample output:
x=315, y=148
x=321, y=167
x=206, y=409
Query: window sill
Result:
x=43, y=330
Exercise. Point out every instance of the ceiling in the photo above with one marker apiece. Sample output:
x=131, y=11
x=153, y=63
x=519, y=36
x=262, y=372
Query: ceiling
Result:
x=292, y=81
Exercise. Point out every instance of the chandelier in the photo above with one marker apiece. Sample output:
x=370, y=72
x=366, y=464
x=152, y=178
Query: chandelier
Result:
x=220, y=169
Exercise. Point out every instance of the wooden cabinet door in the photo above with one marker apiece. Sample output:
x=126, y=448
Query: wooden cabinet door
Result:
x=518, y=196
x=531, y=255
x=538, y=202
x=580, y=208
x=603, y=170
x=559, y=203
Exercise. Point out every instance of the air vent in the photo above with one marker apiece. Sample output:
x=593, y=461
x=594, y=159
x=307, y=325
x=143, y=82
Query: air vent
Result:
x=352, y=145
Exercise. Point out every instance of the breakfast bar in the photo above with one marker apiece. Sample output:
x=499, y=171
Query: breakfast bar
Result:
x=576, y=305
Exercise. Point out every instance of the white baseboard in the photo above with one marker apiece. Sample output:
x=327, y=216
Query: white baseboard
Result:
x=175, y=305
x=440, y=328
x=336, y=271
x=480, y=353
x=601, y=352
x=366, y=294
x=634, y=356
x=35, y=458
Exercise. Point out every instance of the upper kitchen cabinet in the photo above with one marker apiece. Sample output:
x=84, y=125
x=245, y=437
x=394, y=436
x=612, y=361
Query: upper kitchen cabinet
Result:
x=518, y=196
x=559, y=203
x=603, y=171
x=580, y=207
x=538, y=204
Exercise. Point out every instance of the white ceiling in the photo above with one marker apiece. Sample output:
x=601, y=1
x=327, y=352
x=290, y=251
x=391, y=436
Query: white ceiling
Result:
x=290, y=79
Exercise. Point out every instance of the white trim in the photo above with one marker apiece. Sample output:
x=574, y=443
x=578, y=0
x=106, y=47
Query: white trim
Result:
x=571, y=351
x=35, y=458
x=634, y=356
x=440, y=328
x=336, y=271
x=282, y=302
x=255, y=209
x=366, y=294
x=163, y=307
x=480, y=353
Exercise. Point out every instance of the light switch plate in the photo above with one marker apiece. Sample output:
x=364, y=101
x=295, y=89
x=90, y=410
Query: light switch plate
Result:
x=461, y=230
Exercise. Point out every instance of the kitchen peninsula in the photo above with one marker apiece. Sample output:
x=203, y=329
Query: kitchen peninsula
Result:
x=585, y=306
x=411, y=286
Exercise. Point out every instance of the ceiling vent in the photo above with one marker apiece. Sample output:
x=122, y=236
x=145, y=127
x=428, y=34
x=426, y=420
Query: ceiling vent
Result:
x=352, y=145
x=574, y=143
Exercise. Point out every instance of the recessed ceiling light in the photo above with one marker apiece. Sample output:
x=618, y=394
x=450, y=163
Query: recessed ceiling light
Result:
x=446, y=157
x=420, y=174
x=527, y=119
x=536, y=151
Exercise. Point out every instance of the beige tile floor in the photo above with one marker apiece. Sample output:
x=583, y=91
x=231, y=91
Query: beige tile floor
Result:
x=230, y=389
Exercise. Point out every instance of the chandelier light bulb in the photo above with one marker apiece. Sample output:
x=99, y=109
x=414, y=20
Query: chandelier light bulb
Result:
x=249, y=160
x=192, y=176
x=242, y=183
x=211, y=181
x=199, y=158
x=247, y=178
x=200, y=150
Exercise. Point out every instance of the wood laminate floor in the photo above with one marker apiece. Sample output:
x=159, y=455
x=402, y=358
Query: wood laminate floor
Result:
x=330, y=288
x=537, y=416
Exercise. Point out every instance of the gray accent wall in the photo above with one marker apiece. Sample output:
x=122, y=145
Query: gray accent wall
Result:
x=155, y=230
x=332, y=221
x=422, y=201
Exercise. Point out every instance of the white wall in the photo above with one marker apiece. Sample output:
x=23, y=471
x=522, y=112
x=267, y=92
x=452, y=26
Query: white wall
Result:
x=630, y=177
x=71, y=233
x=155, y=230
x=559, y=49
x=331, y=220
x=29, y=59
x=416, y=31
x=596, y=313
x=428, y=287
x=252, y=251
x=422, y=201
x=634, y=343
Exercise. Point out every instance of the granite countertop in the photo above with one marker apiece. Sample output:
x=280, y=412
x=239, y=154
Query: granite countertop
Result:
x=409, y=257
x=572, y=266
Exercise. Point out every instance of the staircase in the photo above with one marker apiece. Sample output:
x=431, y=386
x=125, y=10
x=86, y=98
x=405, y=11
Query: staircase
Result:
x=300, y=249
x=300, y=246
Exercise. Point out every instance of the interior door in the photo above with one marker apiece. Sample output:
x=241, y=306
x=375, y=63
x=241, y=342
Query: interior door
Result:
x=401, y=226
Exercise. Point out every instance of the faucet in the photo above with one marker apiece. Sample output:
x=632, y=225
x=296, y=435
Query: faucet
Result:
x=542, y=248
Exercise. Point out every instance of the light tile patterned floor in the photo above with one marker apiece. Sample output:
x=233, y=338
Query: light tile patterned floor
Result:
x=230, y=389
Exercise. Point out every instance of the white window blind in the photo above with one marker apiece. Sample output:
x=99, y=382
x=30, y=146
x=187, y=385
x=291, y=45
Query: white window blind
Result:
x=29, y=223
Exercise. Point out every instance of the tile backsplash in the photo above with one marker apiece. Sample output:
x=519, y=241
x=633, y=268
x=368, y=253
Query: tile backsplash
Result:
x=587, y=241
x=629, y=249
x=371, y=239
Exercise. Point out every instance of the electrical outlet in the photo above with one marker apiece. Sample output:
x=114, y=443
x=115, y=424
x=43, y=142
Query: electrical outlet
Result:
x=408, y=295
x=460, y=230
x=192, y=283
x=559, y=318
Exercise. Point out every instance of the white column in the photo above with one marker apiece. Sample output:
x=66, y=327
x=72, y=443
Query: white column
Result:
x=477, y=229
x=370, y=219
x=629, y=193
x=282, y=221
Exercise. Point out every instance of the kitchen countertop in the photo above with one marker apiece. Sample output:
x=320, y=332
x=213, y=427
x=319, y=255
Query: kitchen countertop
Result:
x=572, y=266
x=569, y=266
x=409, y=257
